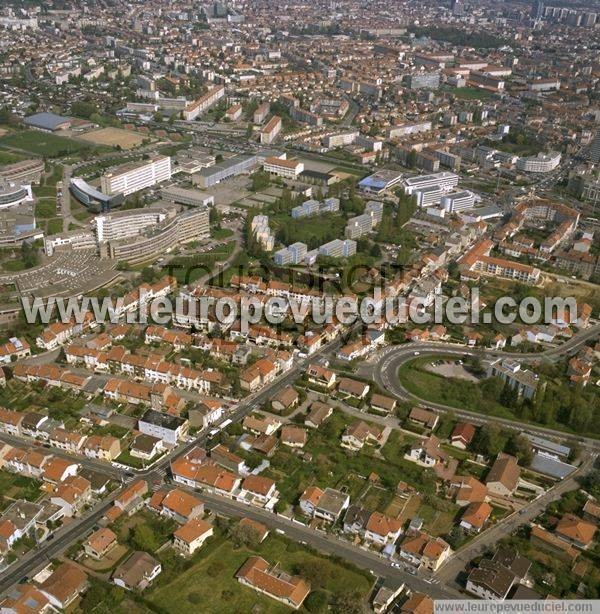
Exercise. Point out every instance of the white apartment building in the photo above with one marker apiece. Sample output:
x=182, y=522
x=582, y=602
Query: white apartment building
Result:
x=203, y=103
x=270, y=132
x=541, y=163
x=133, y=177
x=458, y=201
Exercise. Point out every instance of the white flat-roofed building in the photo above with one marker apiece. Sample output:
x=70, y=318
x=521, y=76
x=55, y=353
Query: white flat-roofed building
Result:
x=282, y=167
x=406, y=129
x=338, y=248
x=12, y=195
x=133, y=177
x=429, y=195
x=458, y=201
x=194, y=198
x=445, y=180
x=541, y=163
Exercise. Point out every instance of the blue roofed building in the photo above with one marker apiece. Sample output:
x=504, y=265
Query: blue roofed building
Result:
x=50, y=122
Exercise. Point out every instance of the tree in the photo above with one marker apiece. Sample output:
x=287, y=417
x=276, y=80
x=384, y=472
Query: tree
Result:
x=317, y=572
x=244, y=535
x=489, y=440
x=348, y=603
x=260, y=181
x=101, y=597
x=519, y=446
x=144, y=538
x=316, y=602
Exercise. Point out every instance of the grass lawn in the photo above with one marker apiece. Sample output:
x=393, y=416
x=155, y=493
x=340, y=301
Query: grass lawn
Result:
x=211, y=582
x=126, y=459
x=222, y=233
x=46, y=208
x=471, y=93
x=9, y=158
x=42, y=143
x=13, y=265
x=54, y=226
x=14, y=486
x=313, y=231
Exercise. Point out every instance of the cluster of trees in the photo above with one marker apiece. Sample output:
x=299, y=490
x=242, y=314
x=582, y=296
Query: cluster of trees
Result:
x=30, y=255
x=492, y=439
x=478, y=39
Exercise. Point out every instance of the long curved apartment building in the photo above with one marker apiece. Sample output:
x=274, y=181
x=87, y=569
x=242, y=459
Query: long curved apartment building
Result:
x=542, y=163
x=12, y=195
x=141, y=238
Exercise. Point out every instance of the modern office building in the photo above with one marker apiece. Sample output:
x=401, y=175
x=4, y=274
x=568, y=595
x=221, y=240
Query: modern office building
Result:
x=89, y=196
x=444, y=180
x=379, y=182
x=541, y=163
x=136, y=176
x=12, y=194
x=203, y=103
x=429, y=195
x=458, y=201
x=230, y=167
x=270, y=132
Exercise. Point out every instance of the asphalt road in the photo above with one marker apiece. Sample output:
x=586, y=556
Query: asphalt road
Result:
x=330, y=544
x=455, y=564
x=385, y=373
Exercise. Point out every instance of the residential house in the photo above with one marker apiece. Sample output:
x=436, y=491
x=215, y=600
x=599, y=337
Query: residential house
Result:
x=321, y=376
x=462, y=435
x=258, y=490
x=67, y=440
x=319, y=412
x=503, y=477
x=417, y=603
x=576, y=531
x=261, y=426
x=468, y=490
x=326, y=504
x=146, y=447
x=381, y=529
x=171, y=429
x=356, y=519
x=285, y=400
x=424, y=551
x=352, y=388
x=72, y=495
x=293, y=436
x=137, y=572
x=64, y=585
x=494, y=578
x=103, y=447
x=358, y=434
x=424, y=417
x=475, y=516
x=132, y=498
x=552, y=543
x=57, y=469
x=383, y=404
x=100, y=543
x=191, y=536
x=25, y=599
x=257, y=574
x=222, y=456
x=176, y=504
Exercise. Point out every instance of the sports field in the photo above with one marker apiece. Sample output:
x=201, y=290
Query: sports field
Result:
x=112, y=137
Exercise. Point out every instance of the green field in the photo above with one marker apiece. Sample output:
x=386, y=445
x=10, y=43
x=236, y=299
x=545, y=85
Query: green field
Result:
x=9, y=158
x=42, y=143
x=210, y=584
x=14, y=487
x=471, y=93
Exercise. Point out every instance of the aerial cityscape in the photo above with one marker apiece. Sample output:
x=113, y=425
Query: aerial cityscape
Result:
x=299, y=306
